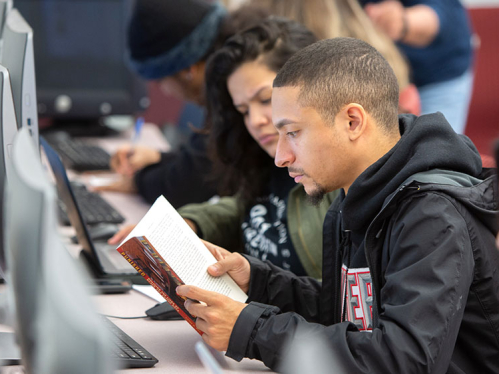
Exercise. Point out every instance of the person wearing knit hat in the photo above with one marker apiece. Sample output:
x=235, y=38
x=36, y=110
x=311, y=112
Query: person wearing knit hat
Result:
x=169, y=42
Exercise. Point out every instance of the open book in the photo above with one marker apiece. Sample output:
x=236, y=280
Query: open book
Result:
x=167, y=253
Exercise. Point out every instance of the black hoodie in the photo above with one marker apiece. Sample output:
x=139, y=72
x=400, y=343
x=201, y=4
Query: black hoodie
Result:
x=421, y=223
x=432, y=144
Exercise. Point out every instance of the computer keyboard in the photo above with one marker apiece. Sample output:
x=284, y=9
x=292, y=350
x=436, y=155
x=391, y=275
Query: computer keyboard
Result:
x=127, y=351
x=77, y=154
x=93, y=207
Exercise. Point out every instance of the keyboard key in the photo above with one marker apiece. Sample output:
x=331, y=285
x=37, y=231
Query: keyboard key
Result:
x=93, y=207
x=80, y=156
x=127, y=351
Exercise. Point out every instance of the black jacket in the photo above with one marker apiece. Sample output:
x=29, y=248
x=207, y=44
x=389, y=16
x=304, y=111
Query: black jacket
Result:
x=181, y=176
x=416, y=235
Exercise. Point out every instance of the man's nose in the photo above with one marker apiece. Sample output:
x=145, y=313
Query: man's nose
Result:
x=283, y=156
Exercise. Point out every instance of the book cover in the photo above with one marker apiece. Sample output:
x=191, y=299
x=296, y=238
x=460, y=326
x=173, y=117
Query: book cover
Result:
x=140, y=253
x=167, y=253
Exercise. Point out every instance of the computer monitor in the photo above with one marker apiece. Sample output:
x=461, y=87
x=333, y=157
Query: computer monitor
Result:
x=102, y=258
x=18, y=57
x=81, y=60
x=57, y=328
x=5, y=7
x=8, y=130
x=8, y=122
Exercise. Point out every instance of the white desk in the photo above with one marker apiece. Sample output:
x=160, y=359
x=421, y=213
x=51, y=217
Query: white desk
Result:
x=171, y=342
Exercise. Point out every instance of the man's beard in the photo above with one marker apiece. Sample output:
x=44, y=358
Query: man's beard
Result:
x=316, y=197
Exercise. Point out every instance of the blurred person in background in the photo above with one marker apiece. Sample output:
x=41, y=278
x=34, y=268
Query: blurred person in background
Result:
x=435, y=36
x=336, y=18
x=169, y=42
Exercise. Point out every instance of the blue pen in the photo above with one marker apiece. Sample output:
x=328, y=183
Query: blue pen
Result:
x=135, y=135
x=138, y=127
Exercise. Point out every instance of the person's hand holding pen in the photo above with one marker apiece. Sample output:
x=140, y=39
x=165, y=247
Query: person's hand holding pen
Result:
x=128, y=160
x=131, y=158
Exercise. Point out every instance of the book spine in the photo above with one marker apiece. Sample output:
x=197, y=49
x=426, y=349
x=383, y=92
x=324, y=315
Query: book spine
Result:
x=161, y=292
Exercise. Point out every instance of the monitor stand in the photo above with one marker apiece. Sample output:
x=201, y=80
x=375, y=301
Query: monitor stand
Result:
x=92, y=127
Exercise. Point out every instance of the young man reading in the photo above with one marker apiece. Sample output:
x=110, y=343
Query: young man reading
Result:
x=410, y=270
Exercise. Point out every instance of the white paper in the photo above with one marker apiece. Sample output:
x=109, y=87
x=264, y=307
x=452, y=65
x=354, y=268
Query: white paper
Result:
x=181, y=248
x=149, y=291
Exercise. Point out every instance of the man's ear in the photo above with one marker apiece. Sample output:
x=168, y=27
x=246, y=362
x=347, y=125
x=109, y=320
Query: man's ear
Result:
x=356, y=116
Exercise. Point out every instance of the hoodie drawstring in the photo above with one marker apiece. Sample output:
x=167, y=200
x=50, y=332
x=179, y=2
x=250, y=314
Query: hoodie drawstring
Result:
x=345, y=245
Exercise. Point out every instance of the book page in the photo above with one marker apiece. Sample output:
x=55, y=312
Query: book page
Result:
x=181, y=248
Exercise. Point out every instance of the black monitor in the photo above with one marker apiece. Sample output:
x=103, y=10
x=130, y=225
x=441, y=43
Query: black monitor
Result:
x=81, y=59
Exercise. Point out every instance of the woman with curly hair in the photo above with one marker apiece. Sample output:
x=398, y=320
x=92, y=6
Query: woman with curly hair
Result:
x=269, y=217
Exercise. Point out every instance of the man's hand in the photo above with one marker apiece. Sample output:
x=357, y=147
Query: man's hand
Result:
x=216, y=314
x=231, y=263
x=121, y=235
x=126, y=161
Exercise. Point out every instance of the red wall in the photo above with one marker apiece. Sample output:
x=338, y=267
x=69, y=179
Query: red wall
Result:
x=483, y=119
x=163, y=109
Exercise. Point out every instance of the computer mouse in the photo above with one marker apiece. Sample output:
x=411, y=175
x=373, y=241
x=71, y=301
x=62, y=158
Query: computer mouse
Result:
x=163, y=311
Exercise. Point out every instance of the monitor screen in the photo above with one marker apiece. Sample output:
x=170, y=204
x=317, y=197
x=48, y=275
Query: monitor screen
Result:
x=81, y=65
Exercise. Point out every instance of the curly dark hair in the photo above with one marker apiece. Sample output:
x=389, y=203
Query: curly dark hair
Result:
x=240, y=165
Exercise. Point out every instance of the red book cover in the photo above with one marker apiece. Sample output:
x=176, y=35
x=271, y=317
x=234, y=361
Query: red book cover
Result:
x=140, y=253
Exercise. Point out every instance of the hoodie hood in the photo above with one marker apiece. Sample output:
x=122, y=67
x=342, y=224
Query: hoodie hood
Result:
x=427, y=142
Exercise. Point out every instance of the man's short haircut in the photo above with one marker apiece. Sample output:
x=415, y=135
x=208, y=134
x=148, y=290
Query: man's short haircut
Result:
x=335, y=72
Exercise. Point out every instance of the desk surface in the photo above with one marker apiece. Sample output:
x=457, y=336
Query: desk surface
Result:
x=171, y=342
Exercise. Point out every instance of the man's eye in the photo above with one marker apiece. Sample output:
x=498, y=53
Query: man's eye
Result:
x=291, y=134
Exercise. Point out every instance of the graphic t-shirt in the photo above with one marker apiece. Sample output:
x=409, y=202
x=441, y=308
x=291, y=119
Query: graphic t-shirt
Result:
x=265, y=230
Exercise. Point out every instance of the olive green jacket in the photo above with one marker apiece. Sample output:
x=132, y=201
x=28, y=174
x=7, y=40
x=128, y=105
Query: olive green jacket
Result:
x=220, y=223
